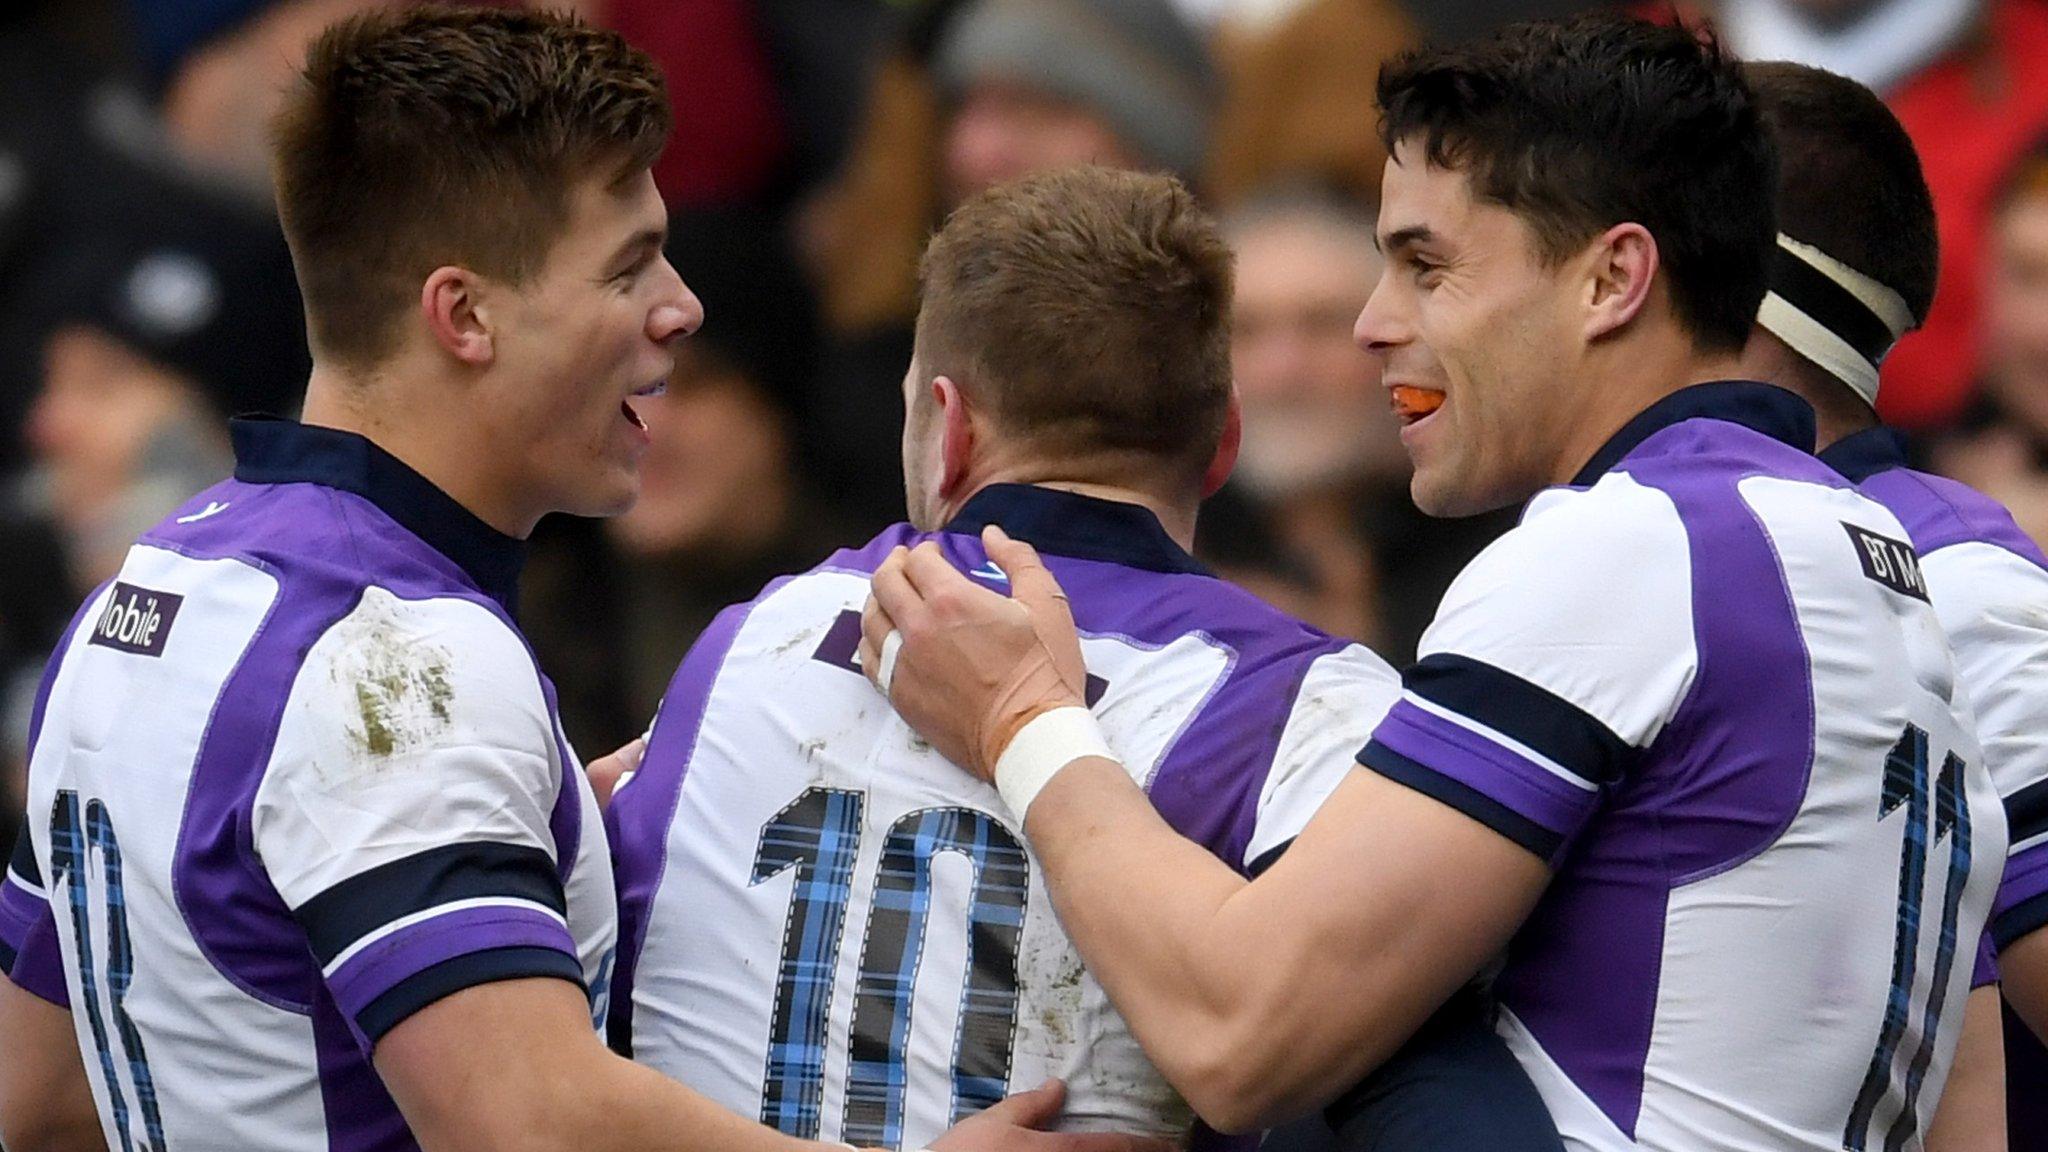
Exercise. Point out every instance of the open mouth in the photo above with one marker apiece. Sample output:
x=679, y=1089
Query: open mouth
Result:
x=627, y=410
x=1412, y=405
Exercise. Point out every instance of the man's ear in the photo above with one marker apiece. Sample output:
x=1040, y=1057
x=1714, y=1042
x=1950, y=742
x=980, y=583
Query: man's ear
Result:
x=451, y=304
x=956, y=436
x=1620, y=268
x=1220, y=465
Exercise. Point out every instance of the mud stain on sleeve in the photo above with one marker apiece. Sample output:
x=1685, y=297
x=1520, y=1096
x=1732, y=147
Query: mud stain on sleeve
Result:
x=395, y=687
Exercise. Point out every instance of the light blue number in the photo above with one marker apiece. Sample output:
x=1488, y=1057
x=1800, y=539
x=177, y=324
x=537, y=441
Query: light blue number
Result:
x=74, y=837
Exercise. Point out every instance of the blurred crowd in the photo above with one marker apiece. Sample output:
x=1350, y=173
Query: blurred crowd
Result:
x=146, y=294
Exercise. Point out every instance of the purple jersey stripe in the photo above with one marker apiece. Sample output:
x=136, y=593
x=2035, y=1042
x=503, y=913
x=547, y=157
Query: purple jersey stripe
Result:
x=1986, y=972
x=1730, y=769
x=28, y=926
x=1938, y=512
x=1502, y=775
x=361, y=1116
x=28, y=929
x=638, y=820
x=414, y=948
x=2022, y=905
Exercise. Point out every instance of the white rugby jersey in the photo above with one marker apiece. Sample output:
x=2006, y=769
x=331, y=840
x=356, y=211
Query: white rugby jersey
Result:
x=826, y=925
x=294, y=776
x=1705, y=683
x=1989, y=583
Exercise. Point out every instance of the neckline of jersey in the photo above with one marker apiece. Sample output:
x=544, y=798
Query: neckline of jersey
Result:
x=1076, y=526
x=269, y=450
x=1760, y=407
x=1861, y=455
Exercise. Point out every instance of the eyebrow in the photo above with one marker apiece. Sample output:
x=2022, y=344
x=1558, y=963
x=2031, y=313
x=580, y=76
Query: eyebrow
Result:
x=1403, y=238
x=643, y=240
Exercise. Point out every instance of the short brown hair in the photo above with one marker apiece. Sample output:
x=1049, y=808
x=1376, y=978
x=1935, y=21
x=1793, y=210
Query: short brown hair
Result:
x=430, y=136
x=1849, y=181
x=1089, y=309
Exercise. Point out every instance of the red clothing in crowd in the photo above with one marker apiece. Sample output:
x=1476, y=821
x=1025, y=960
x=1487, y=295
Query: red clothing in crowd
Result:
x=729, y=142
x=1971, y=115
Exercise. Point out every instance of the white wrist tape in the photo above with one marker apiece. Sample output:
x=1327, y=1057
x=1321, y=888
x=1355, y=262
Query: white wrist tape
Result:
x=1050, y=742
x=892, y=647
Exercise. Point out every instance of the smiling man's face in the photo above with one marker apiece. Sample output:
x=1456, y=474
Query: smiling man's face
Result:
x=1468, y=308
x=576, y=343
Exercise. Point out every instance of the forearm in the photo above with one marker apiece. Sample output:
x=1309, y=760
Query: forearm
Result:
x=1257, y=1001
x=1141, y=904
x=2023, y=968
x=514, y=1066
x=637, y=1109
x=1971, y=1115
x=46, y=1103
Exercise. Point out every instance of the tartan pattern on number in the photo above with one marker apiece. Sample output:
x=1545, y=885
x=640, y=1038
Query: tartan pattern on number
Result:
x=1951, y=817
x=99, y=832
x=1905, y=782
x=67, y=858
x=819, y=836
x=877, y=1068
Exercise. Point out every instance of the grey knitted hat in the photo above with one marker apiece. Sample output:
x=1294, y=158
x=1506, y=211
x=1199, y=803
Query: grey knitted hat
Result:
x=1135, y=63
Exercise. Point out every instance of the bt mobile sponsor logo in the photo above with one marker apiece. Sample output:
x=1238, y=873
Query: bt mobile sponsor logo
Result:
x=137, y=620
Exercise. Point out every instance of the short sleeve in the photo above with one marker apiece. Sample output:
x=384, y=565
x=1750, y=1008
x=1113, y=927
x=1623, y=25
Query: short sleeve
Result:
x=1342, y=698
x=1994, y=606
x=1985, y=973
x=30, y=956
x=405, y=813
x=1556, y=657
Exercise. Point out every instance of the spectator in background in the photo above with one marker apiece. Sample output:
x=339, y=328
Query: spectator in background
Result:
x=989, y=90
x=2001, y=448
x=1322, y=454
x=222, y=66
x=183, y=314
x=1299, y=93
x=724, y=503
x=1317, y=428
x=179, y=311
x=1966, y=79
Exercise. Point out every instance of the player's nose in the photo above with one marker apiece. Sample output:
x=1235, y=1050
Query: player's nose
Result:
x=679, y=314
x=1381, y=324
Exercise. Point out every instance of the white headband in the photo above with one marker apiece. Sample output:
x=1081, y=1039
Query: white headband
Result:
x=1833, y=315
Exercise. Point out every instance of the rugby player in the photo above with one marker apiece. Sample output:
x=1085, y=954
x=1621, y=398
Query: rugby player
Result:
x=1686, y=737
x=308, y=860
x=886, y=958
x=1856, y=271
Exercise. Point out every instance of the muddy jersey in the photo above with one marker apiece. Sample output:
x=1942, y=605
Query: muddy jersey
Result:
x=294, y=775
x=828, y=926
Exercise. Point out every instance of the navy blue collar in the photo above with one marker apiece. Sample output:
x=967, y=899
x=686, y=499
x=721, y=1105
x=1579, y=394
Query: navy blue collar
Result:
x=269, y=451
x=1861, y=455
x=1082, y=527
x=1763, y=408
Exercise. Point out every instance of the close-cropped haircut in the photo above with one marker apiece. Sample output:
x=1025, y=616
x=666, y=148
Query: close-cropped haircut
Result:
x=1850, y=182
x=431, y=136
x=1581, y=124
x=1089, y=310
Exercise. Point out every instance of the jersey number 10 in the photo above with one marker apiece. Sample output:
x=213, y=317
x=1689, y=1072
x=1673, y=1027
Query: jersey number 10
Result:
x=819, y=835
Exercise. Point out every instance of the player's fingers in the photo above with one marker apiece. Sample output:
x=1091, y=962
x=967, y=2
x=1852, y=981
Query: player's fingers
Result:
x=608, y=772
x=877, y=634
x=875, y=623
x=1034, y=1109
x=934, y=576
x=892, y=592
x=1031, y=583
